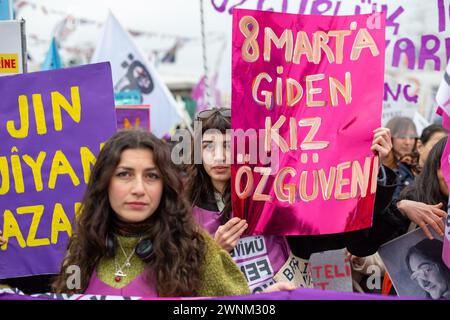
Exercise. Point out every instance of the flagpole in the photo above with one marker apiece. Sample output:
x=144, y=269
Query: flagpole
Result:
x=205, y=61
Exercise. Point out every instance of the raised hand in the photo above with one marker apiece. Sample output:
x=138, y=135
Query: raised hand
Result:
x=228, y=235
x=423, y=215
x=382, y=143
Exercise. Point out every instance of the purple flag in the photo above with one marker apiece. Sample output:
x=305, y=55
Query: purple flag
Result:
x=299, y=294
x=52, y=125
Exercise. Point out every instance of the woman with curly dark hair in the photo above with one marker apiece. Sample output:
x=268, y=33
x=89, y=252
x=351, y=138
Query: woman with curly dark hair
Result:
x=135, y=234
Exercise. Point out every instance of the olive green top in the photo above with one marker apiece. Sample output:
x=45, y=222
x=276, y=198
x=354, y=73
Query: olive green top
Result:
x=106, y=269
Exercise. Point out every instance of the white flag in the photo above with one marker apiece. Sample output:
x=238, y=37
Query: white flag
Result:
x=443, y=94
x=130, y=72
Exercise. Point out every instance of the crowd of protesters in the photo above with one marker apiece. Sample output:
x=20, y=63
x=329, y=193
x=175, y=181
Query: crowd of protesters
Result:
x=149, y=228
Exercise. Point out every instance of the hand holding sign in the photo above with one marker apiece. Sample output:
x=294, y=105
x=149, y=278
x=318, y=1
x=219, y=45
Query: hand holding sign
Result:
x=382, y=143
x=423, y=214
x=280, y=286
x=228, y=235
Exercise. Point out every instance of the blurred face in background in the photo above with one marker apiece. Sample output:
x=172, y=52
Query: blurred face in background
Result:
x=404, y=136
x=424, y=149
x=404, y=143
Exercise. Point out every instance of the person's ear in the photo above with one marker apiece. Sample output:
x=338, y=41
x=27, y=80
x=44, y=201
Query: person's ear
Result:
x=419, y=145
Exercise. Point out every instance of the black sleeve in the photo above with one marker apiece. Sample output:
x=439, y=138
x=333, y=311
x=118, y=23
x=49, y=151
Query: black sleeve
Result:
x=304, y=246
x=386, y=221
x=395, y=221
x=31, y=284
x=362, y=242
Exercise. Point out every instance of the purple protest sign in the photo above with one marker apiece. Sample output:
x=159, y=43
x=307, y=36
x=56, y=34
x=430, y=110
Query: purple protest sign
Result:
x=129, y=116
x=52, y=125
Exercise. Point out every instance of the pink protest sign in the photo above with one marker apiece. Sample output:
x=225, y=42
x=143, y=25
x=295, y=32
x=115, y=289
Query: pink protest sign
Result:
x=445, y=167
x=307, y=95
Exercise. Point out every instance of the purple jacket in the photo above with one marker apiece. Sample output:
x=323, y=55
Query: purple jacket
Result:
x=138, y=287
x=259, y=257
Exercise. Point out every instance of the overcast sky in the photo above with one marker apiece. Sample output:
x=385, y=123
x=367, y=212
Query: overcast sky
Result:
x=171, y=18
x=167, y=19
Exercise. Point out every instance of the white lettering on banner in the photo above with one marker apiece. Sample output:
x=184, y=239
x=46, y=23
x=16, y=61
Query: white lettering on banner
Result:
x=295, y=271
x=64, y=296
x=259, y=287
x=249, y=247
x=256, y=270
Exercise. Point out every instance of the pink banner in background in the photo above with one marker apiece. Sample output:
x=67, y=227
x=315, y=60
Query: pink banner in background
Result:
x=315, y=83
x=445, y=167
x=443, y=100
x=199, y=94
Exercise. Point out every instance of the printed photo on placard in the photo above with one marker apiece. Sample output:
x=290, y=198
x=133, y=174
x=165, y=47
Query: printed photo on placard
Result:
x=415, y=265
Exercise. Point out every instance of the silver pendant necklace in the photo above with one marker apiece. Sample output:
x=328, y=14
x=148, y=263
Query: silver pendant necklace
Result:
x=119, y=274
